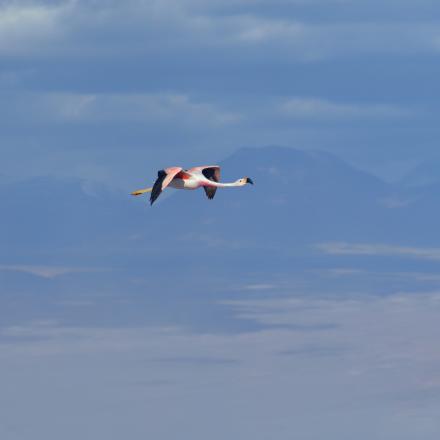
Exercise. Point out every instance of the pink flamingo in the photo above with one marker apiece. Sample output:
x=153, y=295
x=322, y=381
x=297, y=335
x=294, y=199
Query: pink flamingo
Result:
x=207, y=177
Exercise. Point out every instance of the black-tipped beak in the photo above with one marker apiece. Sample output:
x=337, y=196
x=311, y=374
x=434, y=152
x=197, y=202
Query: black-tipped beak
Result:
x=249, y=180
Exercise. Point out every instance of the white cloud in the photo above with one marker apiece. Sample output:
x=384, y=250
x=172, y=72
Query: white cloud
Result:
x=342, y=248
x=28, y=27
x=342, y=272
x=320, y=108
x=140, y=108
x=214, y=241
x=257, y=30
x=179, y=109
x=381, y=276
x=395, y=202
x=369, y=360
x=260, y=286
x=43, y=271
x=84, y=27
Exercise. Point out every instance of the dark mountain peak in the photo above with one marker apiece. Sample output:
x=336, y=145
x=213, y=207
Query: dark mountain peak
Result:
x=284, y=165
x=293, y=157
x=277, y=152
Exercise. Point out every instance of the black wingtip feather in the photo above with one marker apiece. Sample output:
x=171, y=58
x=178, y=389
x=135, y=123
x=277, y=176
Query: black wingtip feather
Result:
x=210, y=191
x=157, y=187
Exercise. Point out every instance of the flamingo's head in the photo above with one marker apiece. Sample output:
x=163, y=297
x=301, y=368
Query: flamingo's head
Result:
x=245, y=180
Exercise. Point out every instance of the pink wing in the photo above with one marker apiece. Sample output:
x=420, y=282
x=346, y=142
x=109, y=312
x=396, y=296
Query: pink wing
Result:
x=164, y=178
x=171, y=174
x=211, y=172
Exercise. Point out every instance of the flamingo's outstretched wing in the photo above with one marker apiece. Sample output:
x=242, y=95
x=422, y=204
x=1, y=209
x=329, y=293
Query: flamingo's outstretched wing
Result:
x=211, y=172
x=164, y=178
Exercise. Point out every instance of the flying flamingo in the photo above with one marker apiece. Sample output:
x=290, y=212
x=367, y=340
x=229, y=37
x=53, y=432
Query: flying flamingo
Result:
x=207, y=177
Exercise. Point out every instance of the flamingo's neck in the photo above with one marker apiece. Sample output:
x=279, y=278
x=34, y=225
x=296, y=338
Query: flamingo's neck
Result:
x=225, y=185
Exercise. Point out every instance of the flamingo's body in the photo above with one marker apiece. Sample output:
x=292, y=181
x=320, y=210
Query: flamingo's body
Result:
x=207, y=177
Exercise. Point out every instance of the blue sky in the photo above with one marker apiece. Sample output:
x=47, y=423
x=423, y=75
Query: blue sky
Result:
x=305, y=306
x=106, y=90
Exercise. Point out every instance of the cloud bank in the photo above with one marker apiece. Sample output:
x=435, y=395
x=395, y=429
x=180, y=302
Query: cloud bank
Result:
x=348, y=358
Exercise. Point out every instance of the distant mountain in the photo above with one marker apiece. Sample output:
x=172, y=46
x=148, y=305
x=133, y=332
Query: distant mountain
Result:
x=298, y=197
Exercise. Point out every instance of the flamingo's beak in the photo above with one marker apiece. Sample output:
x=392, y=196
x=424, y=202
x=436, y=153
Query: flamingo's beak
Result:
x=249, y=180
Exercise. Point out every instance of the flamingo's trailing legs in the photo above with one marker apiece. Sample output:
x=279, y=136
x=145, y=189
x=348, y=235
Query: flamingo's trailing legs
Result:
x=207, y=177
